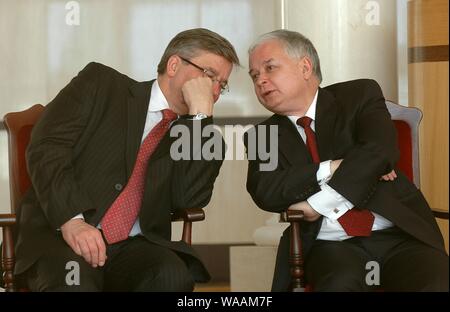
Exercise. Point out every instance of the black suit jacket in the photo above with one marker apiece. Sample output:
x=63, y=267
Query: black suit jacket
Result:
x=352, y=123
x=81, y=154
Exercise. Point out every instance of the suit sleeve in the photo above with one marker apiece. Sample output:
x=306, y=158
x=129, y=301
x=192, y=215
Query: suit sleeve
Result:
x=275, y=190
x=375, y=152
x=50, y=153
x=194, y=176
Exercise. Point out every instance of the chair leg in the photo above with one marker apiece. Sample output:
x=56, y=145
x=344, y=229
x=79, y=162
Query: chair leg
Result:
x=296, y=259
x=8, y=259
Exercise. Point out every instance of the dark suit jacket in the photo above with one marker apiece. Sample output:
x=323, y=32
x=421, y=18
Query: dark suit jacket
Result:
x=81, y=154
x=353, y=123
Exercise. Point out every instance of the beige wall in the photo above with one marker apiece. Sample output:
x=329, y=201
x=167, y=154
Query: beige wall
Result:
x=354, y=39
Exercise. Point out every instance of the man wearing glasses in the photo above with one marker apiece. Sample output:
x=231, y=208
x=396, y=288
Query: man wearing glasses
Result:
x=104, y=183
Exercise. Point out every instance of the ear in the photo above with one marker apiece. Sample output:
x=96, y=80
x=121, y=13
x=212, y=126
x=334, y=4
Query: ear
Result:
x=173, y=64
x=306, y=68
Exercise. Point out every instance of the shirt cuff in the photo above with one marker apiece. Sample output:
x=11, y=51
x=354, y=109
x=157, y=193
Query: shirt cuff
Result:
x=329, y=203
x=324, y=172
x=78, y=216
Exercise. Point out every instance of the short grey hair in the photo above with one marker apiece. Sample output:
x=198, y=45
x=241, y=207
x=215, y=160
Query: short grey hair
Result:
x=192, y=42
x=295, y=45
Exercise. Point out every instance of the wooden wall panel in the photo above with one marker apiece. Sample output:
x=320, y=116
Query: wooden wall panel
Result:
x=427, y=23
x=428, y=90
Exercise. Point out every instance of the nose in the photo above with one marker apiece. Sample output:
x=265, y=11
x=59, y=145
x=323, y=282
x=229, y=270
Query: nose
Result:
x=261, y=80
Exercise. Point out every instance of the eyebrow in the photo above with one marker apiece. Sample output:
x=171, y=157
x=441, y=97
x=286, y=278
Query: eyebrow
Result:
x=264, y=63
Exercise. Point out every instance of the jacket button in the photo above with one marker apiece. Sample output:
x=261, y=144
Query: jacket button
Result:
x=118, y=186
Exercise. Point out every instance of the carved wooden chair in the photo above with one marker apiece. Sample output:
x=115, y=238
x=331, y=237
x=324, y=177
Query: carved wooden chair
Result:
x=19, y=126
x=406, y=121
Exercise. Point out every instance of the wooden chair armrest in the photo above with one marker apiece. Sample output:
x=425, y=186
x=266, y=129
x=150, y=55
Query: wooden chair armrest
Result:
x=189, y=215
x=7, y=219
x=441, y=214
x=291, y=216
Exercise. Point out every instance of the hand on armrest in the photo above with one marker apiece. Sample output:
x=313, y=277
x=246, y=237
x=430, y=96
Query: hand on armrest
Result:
x=309, y=214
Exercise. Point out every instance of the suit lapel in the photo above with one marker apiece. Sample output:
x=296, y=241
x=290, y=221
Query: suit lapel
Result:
x=290, y=142
x=137, y=114
x=326, y=112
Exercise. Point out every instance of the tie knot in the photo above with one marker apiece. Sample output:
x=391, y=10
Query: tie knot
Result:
x=304, y=121
x=169, y=115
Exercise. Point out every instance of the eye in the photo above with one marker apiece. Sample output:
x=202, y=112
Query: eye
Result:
x=254, y=77
x=270, y=68
x=210, y=74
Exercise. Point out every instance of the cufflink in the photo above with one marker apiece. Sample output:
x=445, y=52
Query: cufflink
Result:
x=335, y=210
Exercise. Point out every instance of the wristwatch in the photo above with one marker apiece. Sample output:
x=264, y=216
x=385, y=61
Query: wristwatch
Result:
x=198, y=116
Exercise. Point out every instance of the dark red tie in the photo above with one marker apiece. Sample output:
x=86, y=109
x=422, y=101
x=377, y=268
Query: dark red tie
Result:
x=355, y=222
x=120, y=217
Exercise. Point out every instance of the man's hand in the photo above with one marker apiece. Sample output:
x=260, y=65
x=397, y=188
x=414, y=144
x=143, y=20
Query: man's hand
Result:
x=309, y=213
x=198, y=95
x=85, y=240
x=391, y=176
x=334, y=165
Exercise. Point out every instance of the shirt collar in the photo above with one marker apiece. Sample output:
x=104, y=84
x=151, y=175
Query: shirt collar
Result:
x=158, y=101
x=311, y=112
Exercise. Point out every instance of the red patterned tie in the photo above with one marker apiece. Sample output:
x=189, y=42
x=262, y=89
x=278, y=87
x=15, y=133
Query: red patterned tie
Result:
x=355, y=222
x=120, y=217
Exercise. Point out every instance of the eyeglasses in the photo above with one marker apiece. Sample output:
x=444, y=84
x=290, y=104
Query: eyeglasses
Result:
x=223, y=84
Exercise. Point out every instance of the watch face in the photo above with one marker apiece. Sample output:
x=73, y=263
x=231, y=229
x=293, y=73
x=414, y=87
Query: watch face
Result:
x=201, y=116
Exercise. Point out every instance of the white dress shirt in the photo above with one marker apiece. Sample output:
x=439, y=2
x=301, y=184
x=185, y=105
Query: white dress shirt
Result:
x=158, y=102
x=327, y=201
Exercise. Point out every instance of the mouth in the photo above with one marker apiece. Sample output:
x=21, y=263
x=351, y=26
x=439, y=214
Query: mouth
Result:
x=267, y=93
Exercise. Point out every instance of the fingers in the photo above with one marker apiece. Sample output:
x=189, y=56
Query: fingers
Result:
x=198, y=95
x=74, y=245
x=101, y=250
x=93, y=248
x=95, y=254
x=86, y=241
x=85, y=251
x=391, y=176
